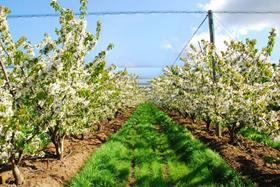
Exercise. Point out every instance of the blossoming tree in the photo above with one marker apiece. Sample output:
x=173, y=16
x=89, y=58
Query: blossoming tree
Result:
x=54, y=92
x=239, y=97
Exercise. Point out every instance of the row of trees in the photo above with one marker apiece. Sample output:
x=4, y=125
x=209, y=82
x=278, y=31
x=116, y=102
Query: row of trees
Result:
x=48, y=91
x=243, y=93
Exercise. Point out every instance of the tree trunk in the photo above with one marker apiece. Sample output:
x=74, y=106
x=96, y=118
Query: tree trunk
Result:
x=232, y=135
x=193, y=118
x=218, y=130
x=16, y=173
x=233, y=131
x=208, y=123
x=59, y=147
x=207, y=126
x=20, y=157
x=58, y=141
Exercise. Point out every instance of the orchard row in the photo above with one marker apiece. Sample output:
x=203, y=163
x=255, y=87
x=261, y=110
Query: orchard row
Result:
x=232, y=89
x=48, y=91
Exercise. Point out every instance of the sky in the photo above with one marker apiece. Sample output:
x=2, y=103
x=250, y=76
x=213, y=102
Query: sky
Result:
x=146, y=43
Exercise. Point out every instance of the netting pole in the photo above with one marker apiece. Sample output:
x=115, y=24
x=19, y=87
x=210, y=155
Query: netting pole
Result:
x=218, y=130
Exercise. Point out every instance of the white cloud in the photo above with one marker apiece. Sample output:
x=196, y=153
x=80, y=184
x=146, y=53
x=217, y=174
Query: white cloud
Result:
x=167, y=46
x=244, y=23
x=221, y=35
x=219, y=41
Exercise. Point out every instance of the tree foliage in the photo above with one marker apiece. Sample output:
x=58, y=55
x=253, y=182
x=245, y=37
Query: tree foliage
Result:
x=49, y=91
x=244, y=93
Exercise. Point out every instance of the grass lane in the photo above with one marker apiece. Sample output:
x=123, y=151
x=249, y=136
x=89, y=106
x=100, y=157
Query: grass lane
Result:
x=110, y=164
x=260, y=137
x=203, y=167
x=151, y=150
x=149, y=147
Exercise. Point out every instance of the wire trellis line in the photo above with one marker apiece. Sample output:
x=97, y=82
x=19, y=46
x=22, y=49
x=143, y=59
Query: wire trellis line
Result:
x=115, y=13
x=189, y=41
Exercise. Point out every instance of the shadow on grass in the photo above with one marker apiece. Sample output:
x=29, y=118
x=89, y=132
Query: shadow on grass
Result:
x=207, y=167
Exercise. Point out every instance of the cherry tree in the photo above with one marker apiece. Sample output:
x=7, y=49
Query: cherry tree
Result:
x=239, y=97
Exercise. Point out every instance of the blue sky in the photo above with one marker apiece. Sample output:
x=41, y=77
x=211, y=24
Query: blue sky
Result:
x=146, y=43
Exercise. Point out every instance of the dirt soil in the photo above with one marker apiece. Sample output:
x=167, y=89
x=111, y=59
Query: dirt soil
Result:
x=246, y=158
x=49, y=172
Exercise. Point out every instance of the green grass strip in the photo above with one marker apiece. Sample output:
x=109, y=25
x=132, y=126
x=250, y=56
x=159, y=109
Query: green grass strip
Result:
x=110, y=164
x=149, y=165
x=204, y=167
x=155, y=151
x=259, y=137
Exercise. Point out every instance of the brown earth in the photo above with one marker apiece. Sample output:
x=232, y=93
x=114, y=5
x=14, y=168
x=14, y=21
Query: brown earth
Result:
x=246, y=158
x=50, y=172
